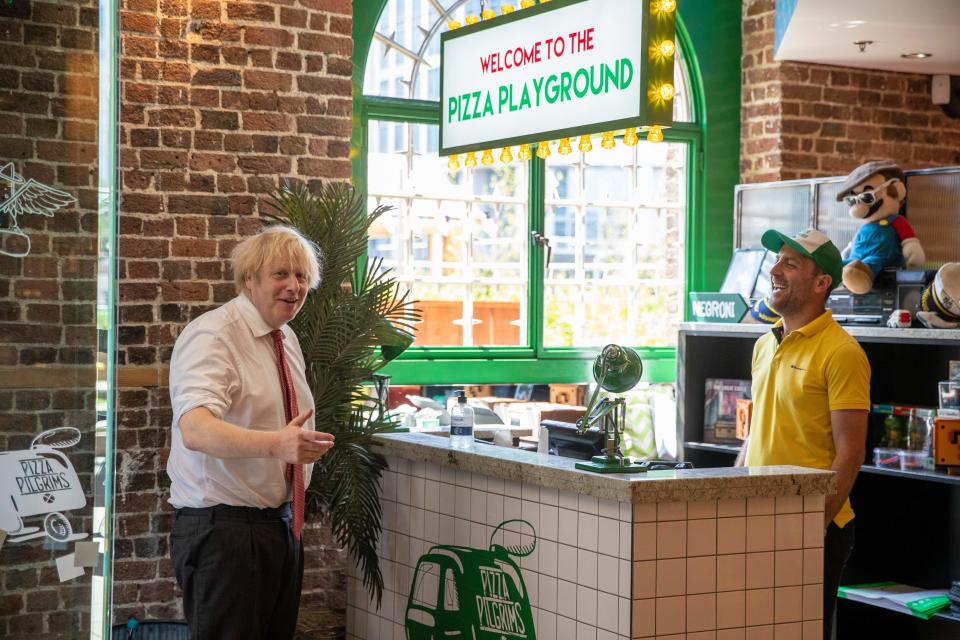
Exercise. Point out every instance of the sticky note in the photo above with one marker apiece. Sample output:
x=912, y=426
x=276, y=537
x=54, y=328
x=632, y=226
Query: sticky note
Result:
x=87, y=554
x=67, y=569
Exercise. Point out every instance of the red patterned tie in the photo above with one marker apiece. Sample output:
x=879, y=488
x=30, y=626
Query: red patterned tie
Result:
x=294, y=471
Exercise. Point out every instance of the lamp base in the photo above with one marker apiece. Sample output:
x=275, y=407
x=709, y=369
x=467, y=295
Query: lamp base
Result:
x=611, y=464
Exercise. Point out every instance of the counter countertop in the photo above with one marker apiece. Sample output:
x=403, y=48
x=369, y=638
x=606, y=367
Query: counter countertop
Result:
x=655, y=486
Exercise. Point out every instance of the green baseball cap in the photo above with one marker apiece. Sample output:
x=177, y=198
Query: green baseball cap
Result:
x=812, y=243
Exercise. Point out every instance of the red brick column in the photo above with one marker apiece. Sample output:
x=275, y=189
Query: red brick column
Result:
x=221, y=100
x=802, y=120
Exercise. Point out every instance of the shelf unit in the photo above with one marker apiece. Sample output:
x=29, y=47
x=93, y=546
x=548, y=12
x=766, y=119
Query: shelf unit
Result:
x=908, y=522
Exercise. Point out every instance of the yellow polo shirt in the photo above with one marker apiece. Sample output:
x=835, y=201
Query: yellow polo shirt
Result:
x=797, y=381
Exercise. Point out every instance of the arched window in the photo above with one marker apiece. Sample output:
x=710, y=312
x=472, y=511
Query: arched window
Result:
x=616, y=220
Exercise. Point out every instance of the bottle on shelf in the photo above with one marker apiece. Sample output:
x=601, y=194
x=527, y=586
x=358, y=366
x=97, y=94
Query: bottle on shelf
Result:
x=916, y=432
x=461, y=423
x=892, y=432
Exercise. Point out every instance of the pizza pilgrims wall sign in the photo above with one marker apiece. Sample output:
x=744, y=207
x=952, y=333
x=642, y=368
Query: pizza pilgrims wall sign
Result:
x=560, y=69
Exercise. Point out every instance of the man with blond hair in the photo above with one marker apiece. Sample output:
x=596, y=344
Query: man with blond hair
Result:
x=243, y=445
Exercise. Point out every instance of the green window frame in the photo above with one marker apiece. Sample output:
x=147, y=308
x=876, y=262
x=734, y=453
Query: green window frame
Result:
x=709, y=202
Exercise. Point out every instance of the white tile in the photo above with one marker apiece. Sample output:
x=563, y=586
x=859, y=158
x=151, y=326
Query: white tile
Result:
x=569, y=500
x=511, y=508
x=546, y=624
x=672, y=511
x=431, y=471
x=608, y=612
x=587, y=531
x=417, y=469
x=530, y=511
x=549, y=495
x=416, y=522
x=402, y=519
x=448, y=475
x=389, y=484
x=588, y=504
x=511, y=488
x=478, y=505
x=603, y=634
x=624, y=606
x=478, y=481
x=586, y=631
x=566, y=597
x=403, y=466
x=567, y=527
x=462, y=505
x=479, y=535
x=446, y=529
x=494, y=509
x=431, y=527
x=608, y=508
x=702, y=509
x=549, y=559
x=608, y=574
x=417, y=492
x=431, y=495
x=530, y=579
x=461, y=533
x=566, y=628
x=626, y=540
x=623, y=584
x=608, y=536
x=761, y=506
x=587, y=568
x=403, y=489
x=567, y=563
x=626, y=511
x=531, y=561
x=731, y=508
x=586, y=605
x=448, y=499
x=495, y=485
x=530, y=491
x=549, y=522
x=547, y=593
x=790, y=504
x=463, y=478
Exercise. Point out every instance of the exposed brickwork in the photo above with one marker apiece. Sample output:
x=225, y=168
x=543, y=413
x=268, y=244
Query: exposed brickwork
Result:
x=220, y=100
x=803, y=120
x=48, y=130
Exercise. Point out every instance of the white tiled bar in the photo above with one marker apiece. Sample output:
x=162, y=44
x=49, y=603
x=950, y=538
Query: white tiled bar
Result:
x=717, y=554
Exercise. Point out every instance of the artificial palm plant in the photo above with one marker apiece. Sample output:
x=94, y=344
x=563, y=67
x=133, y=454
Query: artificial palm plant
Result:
x=349, y=328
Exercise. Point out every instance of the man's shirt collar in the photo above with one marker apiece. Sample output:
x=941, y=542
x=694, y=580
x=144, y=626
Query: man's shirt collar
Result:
x=808, y=330
x=251, y=316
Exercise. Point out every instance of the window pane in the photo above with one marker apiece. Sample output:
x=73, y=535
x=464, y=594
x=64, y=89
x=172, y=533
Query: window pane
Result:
x=615, y=220
x=457, y=241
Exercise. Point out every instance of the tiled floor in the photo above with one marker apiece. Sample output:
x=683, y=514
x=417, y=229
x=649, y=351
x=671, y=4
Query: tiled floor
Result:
x=603, y=570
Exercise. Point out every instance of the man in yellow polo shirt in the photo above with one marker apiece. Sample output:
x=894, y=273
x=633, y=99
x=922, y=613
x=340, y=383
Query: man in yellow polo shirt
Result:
x=811, y=389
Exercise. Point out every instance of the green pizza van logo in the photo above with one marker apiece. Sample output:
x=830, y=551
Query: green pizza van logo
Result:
x=475, y=594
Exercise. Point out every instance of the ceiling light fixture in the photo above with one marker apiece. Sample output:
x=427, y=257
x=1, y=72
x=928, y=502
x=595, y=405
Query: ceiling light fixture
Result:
x=916, y=55
x=862, y=44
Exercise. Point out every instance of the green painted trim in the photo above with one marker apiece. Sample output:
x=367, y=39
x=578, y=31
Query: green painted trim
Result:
x=708, y=33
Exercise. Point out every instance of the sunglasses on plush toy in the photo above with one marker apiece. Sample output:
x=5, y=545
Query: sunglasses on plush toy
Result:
x=868, y=197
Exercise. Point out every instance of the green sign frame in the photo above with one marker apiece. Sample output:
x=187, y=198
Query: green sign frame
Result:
x=727, y=308
x=655, y=28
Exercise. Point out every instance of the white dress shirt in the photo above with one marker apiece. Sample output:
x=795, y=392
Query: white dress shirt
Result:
x=225, y=361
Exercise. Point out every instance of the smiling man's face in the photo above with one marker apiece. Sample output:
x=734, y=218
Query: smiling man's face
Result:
x=795, y=281
x=278, y=292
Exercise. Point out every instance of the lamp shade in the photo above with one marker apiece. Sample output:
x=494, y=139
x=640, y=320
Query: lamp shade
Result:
x=393, y=341
x=617, y=368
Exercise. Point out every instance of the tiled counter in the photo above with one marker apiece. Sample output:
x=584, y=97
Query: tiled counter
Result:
x=508, y=544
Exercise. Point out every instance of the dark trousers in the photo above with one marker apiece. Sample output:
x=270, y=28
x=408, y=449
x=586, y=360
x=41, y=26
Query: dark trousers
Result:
x=837, y=546
x=240, y=570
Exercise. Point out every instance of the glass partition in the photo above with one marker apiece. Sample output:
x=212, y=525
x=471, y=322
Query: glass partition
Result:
x=57, y=256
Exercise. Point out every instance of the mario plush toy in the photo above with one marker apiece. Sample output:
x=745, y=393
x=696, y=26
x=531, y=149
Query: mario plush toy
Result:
x=875, y=193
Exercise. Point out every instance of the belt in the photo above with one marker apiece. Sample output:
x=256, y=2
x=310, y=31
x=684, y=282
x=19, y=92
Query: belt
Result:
x=231, y=512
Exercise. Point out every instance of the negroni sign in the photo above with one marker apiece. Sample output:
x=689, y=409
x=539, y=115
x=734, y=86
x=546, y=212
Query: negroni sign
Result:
x=567, y=67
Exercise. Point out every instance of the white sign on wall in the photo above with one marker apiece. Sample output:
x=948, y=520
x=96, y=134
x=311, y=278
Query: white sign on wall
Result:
x=556, y=72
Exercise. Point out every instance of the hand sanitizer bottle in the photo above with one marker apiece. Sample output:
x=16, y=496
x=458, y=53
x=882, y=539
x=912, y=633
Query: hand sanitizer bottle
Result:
x=461, y=423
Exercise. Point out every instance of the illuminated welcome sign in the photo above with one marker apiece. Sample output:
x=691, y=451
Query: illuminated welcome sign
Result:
x=556, y=70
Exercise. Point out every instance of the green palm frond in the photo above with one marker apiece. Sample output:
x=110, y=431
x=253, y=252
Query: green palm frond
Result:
x=340, y=332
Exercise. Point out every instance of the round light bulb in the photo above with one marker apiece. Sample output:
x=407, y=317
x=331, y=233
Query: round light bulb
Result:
x=666, y=91
x=486, y=14
x=470, y=159
x=506, y=157
x=453, y=24
x=667, y=48
x=585, y=144
x=543, y=150
x=487, y=158
x=453, y=164
x=506, y=9
x=526, y=4
x=655, y=134
x=666, y=6
x=630, y=137
x=607, y=141
x=563, y=147
x=472, y=20
x=523, y=152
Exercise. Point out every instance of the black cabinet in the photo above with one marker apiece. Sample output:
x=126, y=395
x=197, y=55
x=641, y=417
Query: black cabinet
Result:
x=908, y=524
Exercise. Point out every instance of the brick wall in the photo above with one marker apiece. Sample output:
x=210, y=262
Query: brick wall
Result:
x=802, y=120
x=220, y=100
x=48, y=131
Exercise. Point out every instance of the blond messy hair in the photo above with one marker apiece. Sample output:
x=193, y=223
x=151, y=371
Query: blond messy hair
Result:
x=275, y=243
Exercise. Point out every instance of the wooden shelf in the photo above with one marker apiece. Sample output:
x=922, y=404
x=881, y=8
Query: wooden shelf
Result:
x=921, y=474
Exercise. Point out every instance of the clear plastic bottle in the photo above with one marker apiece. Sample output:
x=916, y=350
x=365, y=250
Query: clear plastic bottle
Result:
x=461, y=423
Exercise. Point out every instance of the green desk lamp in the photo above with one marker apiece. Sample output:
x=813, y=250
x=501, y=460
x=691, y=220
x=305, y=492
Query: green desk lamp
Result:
x=616, y=369
x=393, y=341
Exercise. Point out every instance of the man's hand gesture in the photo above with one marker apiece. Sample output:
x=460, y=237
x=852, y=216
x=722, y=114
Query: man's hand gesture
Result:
x=294, y=445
